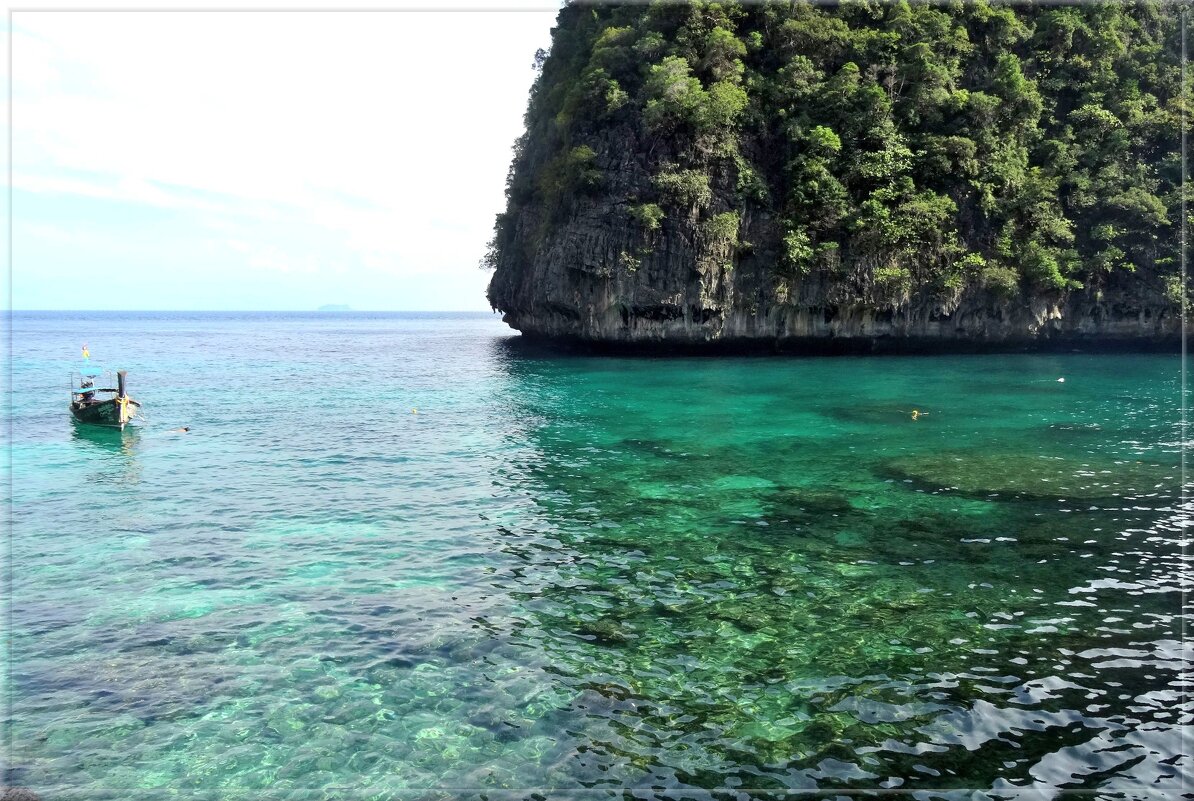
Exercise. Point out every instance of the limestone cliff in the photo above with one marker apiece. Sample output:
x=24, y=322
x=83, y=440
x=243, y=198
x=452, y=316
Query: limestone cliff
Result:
x=859, y=177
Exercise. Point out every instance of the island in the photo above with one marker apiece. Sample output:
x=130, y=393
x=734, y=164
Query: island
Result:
x=856, y=177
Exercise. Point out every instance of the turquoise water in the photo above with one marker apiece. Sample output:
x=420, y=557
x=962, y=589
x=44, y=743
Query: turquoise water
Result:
x=564, y=573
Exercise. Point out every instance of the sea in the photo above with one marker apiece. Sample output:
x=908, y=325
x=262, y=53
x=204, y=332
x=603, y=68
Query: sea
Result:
x=403, y=555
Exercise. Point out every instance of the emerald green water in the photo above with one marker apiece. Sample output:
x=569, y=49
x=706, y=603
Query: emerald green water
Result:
x=569, y=573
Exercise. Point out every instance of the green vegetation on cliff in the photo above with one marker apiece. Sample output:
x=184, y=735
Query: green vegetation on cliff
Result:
x=891, y=148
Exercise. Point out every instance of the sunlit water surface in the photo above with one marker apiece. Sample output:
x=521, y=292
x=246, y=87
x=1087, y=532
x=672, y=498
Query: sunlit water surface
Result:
x=567, y=573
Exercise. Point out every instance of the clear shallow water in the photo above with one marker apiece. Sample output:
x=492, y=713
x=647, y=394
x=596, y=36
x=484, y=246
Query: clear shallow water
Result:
x=568, y=573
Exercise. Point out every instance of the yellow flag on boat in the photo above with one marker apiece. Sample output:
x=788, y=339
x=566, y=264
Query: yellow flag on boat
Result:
x=86, y=353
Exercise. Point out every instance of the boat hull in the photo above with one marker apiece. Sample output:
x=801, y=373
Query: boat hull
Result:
x=111, y=413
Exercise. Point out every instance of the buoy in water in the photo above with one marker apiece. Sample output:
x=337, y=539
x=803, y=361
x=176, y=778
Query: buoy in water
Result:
x=414, y=411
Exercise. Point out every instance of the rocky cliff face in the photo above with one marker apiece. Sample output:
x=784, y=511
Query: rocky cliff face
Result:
x=578, y=290
x=597, y=244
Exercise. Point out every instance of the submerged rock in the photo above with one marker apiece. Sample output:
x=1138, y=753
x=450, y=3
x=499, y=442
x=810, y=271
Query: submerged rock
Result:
x=18, y=794
x=818, y=500
x=1029, y=476
x=605, y=631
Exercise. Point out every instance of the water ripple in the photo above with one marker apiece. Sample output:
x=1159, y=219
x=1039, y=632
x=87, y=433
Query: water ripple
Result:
x=585, y=574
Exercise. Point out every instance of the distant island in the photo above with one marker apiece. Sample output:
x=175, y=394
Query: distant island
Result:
x=335, y=307
x=853, y=177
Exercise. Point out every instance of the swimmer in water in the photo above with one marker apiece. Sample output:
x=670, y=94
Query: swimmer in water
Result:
x=182, y=430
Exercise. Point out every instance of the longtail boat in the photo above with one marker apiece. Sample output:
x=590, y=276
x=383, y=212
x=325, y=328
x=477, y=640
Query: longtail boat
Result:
x=88, y=403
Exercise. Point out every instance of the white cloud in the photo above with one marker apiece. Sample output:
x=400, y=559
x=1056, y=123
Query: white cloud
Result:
x=391, y=131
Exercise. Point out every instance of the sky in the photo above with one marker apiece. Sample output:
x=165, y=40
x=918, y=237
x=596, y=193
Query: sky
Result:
x=272, y=160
